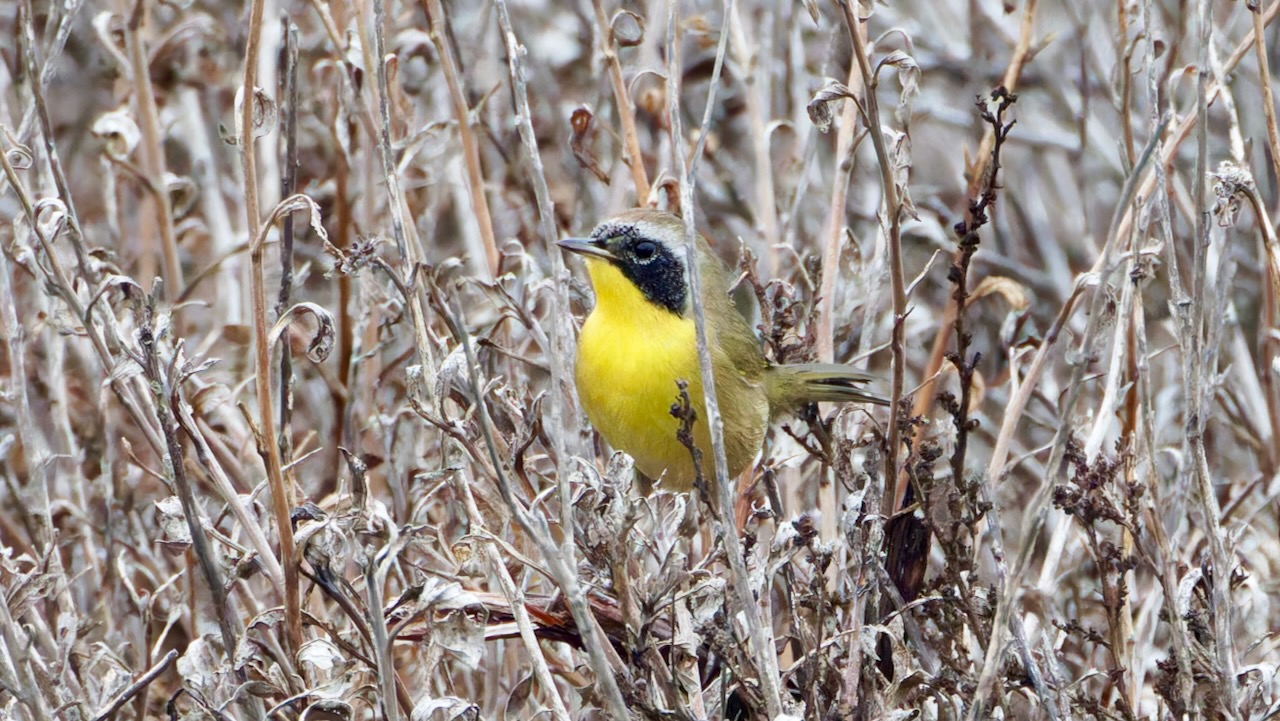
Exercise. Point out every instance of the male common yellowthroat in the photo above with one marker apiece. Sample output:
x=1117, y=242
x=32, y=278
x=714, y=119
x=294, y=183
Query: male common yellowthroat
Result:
x=640, y=339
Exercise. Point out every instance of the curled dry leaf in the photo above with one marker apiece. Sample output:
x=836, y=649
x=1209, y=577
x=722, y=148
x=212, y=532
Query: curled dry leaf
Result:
x=627, y=28
x=462, y=635
x=977, y=392
x=19, y=156
x=1013, y=292
x=322, y=337
x=580, y=123
x=448, y=708
x=1186, y=590
x=174, y=531
x=822, y=109
x=811, y=7
x=126, y=285
x=452, y=375
x=328, y=709
x=264, y=116
x=183, y=193
x=900, y=159
x=321, y=660
x=908, y=80
x=51, y=217
x=198, y=666
x=123, y=370
x=110, y=29
x=1231, y=184
x=322, y=544
x=118, y=132
x=295, y=204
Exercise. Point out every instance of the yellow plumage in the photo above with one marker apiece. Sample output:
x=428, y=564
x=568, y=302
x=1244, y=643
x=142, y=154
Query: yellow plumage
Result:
x=630, y=354
x=640, y=338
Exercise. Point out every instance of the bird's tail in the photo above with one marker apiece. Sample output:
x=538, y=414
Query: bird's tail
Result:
x=791, y=386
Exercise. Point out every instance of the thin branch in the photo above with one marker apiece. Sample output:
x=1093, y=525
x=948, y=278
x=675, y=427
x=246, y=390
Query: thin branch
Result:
x=1197, y=378
x=137, y=687
x=897, y=279
x=743, y=602
x=281, y=494
x=563, y=410
x=288, y=181
x=562, y=569
x=153, y=162
x=926, y=395
x=626, y=111
x=436, y=20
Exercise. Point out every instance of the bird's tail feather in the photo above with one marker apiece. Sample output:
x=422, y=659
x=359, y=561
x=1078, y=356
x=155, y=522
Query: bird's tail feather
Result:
x=791, y=386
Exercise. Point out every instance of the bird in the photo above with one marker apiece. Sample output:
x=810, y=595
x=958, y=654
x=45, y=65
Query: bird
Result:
x=640, y=339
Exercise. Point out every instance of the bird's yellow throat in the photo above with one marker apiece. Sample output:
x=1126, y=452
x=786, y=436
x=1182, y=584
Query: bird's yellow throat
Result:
x=630, y=354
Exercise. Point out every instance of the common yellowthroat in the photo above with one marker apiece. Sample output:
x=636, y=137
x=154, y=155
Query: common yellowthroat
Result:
x=640, y=339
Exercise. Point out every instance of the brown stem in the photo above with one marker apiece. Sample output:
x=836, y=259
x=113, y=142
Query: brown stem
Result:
x=835, y=219
x=153, y=162
x=461, y=114
x=626, y=111
x=896, y=278
x=281, y=494
x=925, y=397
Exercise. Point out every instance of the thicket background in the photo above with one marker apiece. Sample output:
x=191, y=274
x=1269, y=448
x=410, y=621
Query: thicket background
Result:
x=246, y=473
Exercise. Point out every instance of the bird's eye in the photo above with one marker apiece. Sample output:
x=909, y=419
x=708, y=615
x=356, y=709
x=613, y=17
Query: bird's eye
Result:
x=645, y=249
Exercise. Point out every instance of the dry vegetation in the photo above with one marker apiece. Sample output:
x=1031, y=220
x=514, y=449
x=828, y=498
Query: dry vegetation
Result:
x=288, y=428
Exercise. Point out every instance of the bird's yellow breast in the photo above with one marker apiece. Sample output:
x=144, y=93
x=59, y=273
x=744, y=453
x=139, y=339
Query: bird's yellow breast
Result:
x=630, y=355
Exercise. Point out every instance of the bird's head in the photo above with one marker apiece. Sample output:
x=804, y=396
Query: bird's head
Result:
x=646, y=249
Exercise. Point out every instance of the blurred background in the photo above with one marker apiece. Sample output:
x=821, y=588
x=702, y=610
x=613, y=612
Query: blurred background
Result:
x=292, y=431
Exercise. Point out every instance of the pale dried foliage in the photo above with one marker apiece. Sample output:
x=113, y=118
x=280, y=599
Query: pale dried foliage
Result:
x=1073, y=516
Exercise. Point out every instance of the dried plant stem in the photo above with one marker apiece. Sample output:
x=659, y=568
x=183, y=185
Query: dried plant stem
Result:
x=132, y=394
x=35, y=448
x=1194, y=339
x=1170, y=147
x=363, y=114
x=21, y=660
x=46, y=126
x=758, y=92
x=1034, y=514
x=743, y=601
x=515, y=596
x=137, y=687
x=926, y=396
x=18, y=666
x=288, y=180
x=1268, y=344
x=153, y=162
x=127, y=392
x=562, y=410
x=1165, y=561
x=410, y=254
x=561, y=568
x=167, y=395
x=281, y=494
x=626, y=111
x=836, y=210
x=1125, y=53
x=730, y=14
x=893, y=210
x=1268, y=96
x=462, y=115
x=375, y=573
x=224, y=488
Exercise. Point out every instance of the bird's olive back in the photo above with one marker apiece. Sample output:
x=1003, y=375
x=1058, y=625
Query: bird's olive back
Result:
x=650, y=263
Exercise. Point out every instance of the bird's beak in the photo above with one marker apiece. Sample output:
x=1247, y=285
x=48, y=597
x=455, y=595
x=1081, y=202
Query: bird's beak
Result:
x=587, y=247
